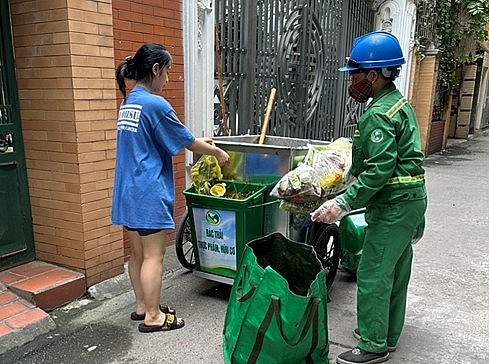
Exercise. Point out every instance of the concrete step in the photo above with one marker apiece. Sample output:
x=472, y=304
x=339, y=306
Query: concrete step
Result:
x=27, y=293
x=45, y=285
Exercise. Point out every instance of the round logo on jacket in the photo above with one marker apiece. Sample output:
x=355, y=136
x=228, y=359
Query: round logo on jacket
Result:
x=377, y=136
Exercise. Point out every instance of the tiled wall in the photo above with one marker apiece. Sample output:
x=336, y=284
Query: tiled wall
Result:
x=65, y=71
x=466, y=98
x=160, y=21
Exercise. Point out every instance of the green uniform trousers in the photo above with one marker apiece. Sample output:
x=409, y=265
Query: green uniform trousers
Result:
x=385, y=268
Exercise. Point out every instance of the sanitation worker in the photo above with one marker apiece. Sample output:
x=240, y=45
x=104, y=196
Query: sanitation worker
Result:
x=387, y=161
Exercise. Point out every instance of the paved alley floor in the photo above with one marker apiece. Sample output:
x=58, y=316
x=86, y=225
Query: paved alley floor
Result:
x=447, y=317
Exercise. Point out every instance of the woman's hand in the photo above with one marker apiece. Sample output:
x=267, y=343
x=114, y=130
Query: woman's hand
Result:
x=205, y=145
x=222, y=157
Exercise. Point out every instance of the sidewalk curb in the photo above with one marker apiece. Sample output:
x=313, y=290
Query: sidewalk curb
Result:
x=26, y=334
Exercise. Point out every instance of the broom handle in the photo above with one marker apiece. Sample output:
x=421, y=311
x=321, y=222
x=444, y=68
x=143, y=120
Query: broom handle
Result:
x=264, y=127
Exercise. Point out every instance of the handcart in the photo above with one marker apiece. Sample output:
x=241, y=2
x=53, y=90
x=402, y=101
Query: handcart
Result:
x=260, y=166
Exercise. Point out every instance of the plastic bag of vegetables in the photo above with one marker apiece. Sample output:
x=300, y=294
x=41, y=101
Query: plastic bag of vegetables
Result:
x=332, y=163
x=323, y=174
x=204, y=173
x=300, y=185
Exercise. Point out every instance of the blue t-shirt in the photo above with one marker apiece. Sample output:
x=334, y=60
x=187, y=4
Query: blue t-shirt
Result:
x=149, y=133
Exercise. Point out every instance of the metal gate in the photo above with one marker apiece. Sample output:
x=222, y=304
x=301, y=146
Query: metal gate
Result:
x=16, y=239
x=295, y=46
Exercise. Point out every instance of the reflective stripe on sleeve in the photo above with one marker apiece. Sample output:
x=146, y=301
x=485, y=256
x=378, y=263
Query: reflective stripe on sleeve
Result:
x=396, y=107
x=405, y=179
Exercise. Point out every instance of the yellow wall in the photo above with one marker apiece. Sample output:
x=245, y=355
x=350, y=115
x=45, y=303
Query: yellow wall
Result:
x=423, y=91
x=65, y=68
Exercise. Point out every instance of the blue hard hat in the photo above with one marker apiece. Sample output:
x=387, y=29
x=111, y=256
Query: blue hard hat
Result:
x=374, y=50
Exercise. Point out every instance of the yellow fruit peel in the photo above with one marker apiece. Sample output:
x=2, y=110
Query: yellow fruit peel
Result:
x=219, y=189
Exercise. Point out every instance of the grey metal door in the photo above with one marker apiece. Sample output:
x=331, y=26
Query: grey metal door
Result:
x=295, y=46
x=16, y=238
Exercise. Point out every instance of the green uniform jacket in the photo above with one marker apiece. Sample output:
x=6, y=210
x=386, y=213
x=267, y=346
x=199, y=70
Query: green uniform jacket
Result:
x=386, y=152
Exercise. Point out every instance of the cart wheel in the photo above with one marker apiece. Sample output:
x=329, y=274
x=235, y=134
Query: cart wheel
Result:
x=183, y=243
x=327, y=247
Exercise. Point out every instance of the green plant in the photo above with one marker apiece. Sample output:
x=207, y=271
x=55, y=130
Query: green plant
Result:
x=452, y=22
x=479, y=13
x=459, y=20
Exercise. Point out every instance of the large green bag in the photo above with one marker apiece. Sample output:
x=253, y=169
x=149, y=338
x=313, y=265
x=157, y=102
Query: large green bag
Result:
x=277, y=310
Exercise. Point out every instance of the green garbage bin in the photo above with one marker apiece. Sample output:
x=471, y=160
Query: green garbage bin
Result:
x=351, y=235
x=220, y=227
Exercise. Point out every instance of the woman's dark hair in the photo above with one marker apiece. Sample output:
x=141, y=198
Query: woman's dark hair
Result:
x=140, y=67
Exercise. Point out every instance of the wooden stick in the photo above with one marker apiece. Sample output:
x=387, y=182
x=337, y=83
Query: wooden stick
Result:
x=264, y=127
x=217, y=48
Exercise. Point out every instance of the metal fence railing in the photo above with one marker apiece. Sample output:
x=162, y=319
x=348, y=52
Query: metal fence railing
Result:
x=295, y=46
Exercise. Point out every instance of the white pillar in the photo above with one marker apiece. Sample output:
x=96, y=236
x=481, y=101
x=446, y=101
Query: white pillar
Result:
x=482, y=103
x=399, y=18
x=198, y=34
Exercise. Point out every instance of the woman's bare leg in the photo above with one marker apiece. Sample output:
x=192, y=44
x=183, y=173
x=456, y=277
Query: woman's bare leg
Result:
x=154, y=247
x=145, y=271
x=134, y=269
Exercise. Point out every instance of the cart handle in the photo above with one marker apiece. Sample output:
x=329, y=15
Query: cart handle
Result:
x=264, y=204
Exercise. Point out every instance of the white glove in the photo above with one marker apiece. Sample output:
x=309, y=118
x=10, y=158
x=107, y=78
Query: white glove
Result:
x=331, y=211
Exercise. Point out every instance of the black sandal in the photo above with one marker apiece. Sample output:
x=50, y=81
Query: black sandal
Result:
x=163, y=308
x=171, y=323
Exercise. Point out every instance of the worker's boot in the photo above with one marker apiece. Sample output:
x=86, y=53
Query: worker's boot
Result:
x=360, y=356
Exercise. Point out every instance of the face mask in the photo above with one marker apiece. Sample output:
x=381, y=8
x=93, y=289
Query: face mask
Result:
x=360, y=91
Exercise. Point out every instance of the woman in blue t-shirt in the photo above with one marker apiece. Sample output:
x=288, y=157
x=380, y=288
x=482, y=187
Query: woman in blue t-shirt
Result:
x=149, y=134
